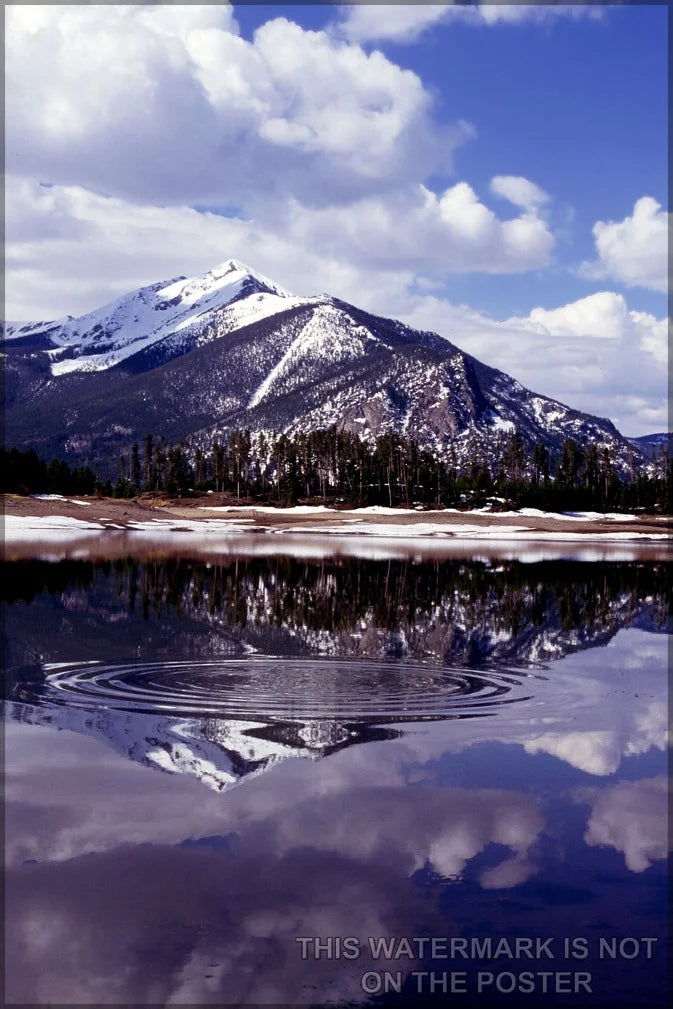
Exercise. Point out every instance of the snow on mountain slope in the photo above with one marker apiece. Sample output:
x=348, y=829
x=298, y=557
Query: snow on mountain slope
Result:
x=329, y=336
x=109, y=335
x=17, y=330
x=196, y=358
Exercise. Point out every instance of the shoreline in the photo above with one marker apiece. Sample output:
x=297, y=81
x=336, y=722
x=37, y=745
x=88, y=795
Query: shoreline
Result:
x=55, y=519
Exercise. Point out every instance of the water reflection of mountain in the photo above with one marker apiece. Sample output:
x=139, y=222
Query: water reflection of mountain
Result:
x=450, y=611
x=221, y=720
x=218, y=752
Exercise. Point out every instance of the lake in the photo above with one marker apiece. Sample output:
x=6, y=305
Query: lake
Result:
x=385, y=775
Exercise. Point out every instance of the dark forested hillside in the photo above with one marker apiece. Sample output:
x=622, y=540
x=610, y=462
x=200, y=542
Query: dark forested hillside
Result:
x=336, y=466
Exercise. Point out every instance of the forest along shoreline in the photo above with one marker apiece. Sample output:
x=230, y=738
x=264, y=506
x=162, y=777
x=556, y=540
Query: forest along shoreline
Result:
x=126, y=513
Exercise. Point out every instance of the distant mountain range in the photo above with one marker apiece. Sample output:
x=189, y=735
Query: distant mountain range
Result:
x=650, y=444
x=199, y=357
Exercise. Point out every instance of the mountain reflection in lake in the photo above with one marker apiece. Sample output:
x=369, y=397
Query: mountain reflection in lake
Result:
x=265, y=749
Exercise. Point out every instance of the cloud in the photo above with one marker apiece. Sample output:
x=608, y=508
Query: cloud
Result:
x=633, y=251
x=603, y=316
x=307, y=156
x=417, y=229
x=405, y=23
x=57, y=232
x=519, y=191
x=169, y=104
x=653, y=335
x=391, y=22
x=630, y=817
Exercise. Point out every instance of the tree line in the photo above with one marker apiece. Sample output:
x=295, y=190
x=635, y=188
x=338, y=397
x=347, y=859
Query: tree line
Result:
x=339, y=467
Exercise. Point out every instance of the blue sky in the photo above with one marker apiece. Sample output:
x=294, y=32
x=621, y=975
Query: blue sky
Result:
x=497, y=174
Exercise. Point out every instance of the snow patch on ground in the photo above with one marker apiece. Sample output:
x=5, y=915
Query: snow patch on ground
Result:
x=59, y=497
x=47, y=527
x=385, y=510
x=498, y=424
x=326, y=336
x=56, y=528
x=359, y=528
x=576, y=516
x=268, y=509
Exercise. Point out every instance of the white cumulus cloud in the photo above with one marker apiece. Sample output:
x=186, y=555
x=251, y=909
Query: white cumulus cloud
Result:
x=394, y=22
x=416, y=228
x=170, y=104
x=633, y=251
x=604, y=315
x=519, y=191
x=593, y=354
x=407, y=22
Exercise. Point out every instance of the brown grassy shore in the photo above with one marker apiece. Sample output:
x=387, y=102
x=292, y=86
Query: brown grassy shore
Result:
x=123, y=513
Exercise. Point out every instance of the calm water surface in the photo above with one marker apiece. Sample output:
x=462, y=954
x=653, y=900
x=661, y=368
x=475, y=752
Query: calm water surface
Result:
x=209, y=761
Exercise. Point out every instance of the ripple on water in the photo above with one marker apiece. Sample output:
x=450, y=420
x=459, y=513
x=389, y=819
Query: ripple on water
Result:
x=283, y=689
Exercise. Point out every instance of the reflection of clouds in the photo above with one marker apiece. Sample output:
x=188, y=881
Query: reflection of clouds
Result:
x=599, y=715
x=589, y=710
x=651, y=724
x=630, y=817
x=508, y=874
x=506, y=818
x=173, y=925
x=600, y=752
x=163, y=925
x=445, y=827
x=355, y=803
x=117, y=911
x=616, y=699
x=593, y=752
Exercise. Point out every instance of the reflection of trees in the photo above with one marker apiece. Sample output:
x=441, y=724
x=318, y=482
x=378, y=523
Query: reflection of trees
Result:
x=454, y=609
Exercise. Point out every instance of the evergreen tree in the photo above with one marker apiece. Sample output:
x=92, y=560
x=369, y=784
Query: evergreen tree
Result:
x=217, y=466
x=147, y=463
x=200, y=470
x=135, y=468
x=160, y=462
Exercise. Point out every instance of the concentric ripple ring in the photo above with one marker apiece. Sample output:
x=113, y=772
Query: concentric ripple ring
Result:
x=282, y=689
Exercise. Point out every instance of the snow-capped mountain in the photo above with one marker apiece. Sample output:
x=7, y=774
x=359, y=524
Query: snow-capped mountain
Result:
x=198, y=357
x=177, y=308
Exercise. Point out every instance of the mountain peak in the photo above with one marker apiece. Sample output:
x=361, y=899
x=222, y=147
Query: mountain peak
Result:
x=232, y=278
x=229, y=266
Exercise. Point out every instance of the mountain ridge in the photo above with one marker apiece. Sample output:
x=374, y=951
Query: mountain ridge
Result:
x=196, y=358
